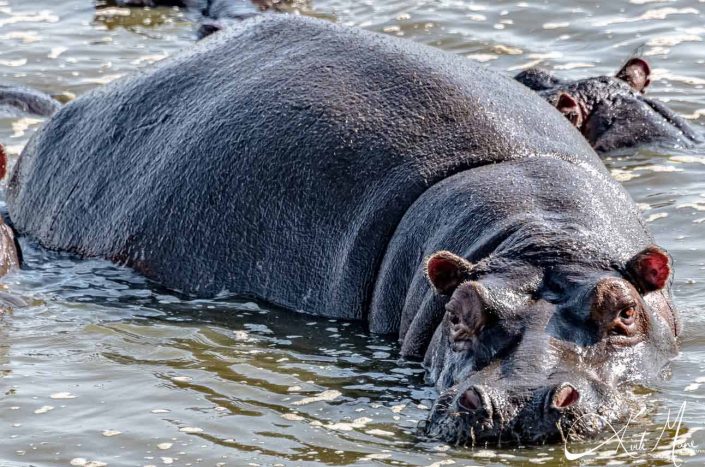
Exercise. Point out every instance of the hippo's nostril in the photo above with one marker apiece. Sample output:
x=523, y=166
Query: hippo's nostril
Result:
x=564, y=396
x=470, y=400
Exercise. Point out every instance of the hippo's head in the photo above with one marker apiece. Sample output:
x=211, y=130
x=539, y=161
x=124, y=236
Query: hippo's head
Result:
x=612, y=111
x=523, y=356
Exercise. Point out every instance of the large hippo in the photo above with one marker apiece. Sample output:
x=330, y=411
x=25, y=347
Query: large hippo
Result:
x=342, y=173
x=612, y=111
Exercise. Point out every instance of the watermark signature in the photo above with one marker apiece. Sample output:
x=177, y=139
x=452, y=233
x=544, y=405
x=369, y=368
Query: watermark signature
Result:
x=670, y=438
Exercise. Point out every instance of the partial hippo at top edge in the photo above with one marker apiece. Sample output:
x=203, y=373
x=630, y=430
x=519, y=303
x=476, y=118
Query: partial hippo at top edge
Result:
x=215, y=15
x=334, y=172
x=612, y=112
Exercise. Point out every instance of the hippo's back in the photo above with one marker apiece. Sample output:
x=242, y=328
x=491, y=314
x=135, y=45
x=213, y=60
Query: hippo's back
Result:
x=274, y=160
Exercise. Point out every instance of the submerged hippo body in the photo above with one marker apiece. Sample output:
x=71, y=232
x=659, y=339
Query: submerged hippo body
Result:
x=22, y=100
x=612, y=112
x=315, y=167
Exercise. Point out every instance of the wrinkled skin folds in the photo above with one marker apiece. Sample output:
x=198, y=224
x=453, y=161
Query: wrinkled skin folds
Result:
x=347, y=174
x=613, y=113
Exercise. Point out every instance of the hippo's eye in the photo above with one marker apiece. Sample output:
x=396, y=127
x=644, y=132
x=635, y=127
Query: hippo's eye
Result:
x=466, y=313
x=624, y=324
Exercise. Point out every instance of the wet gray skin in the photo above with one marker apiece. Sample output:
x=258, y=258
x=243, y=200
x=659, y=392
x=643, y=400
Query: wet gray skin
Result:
x=612, y=112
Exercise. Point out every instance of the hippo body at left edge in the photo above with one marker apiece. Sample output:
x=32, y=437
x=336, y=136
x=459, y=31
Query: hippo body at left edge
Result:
x=316, y=167
x=10, y=253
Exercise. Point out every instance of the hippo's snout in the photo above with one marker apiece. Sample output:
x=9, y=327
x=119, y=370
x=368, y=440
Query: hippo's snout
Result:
x=480, y=415
x=476, y=401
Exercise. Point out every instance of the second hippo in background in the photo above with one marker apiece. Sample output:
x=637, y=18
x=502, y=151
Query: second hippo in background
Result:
x=612, y=111
x=22, y=100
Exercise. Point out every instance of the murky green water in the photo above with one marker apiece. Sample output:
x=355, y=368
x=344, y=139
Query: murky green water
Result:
x=106, y=368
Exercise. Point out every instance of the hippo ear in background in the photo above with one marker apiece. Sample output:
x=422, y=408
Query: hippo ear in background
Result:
x=446, y=271
x=636, y=73
x=570, y=108
x=650, y=269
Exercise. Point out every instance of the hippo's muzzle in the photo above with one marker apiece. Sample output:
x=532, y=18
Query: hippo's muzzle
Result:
x=479, y=415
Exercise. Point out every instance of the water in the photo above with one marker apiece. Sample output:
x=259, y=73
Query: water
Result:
x=104, y=367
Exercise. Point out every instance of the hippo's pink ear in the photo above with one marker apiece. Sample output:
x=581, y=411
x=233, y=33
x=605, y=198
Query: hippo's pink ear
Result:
x=446, y=271
x=650, y=269
x=636, y=73
x=570, y=108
